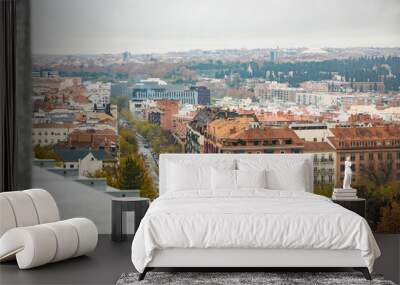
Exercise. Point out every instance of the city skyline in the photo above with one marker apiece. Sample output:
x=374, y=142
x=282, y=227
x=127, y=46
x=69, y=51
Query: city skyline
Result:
x=97, y=26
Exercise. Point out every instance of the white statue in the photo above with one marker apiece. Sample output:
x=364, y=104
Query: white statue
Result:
x=347, y=174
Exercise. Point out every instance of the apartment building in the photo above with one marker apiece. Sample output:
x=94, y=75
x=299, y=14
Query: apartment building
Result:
x=368, y=87
x=244, y=134
x=99, y=93
x=273, y=91
x=324, y=161
x=197, y=128
x=370, y=148
x=317, y=99
x=168, y=109
x=179, y=127
x=50, y=133
x=314, y=86
x=94, y=139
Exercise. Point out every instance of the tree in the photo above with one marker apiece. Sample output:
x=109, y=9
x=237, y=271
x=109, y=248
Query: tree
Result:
x=380, y=190
x=45, y=152
x=109, y=173
x=131, y=173
x=127, y=142
x=324, y=190
x=390, y=219
x=147, y=189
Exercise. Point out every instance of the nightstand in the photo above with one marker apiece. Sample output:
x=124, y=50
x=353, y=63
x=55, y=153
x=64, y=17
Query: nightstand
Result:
x=358, y=205
x=137, y=205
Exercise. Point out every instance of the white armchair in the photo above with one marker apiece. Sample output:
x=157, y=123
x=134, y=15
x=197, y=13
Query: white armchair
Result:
x=31, y=231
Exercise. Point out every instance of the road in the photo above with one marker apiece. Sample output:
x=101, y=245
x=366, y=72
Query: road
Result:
x=150, y=161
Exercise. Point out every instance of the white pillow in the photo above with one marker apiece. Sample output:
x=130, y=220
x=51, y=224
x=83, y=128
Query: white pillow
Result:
x=282, y=174
x=184, y=177
x=282, y=180
x=251, y=178
x=223, y=179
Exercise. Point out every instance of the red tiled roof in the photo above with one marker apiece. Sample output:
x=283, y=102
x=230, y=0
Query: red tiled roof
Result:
x=266, y=133
x=317, y=147
x=367, y=133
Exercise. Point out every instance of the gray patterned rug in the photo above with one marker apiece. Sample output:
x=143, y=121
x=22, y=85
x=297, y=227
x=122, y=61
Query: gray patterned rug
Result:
x=243, y=278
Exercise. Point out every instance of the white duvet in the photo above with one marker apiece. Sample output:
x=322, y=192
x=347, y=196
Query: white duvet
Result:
x=250, y=219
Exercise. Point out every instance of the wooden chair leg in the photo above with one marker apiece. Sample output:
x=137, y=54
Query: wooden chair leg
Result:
x=364, y=271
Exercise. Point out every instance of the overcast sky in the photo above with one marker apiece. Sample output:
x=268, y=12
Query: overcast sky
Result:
x=145, y=26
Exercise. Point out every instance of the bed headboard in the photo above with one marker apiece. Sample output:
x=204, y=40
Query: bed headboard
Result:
x=212, y=159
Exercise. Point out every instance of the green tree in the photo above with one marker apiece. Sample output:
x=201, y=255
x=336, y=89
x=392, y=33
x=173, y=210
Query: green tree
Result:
x=380, y=190
x=131, y=173
x=109, y=173
x=127, y=142
x=147, y=189
x=45, y=152
x=324, y=190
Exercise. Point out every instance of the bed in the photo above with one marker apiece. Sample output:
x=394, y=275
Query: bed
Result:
x=245, y=211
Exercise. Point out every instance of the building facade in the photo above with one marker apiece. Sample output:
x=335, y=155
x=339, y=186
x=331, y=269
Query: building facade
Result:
x=369, y=148
x=168, y=108
x=324, y=161
x=99, y=93
x=95, y=139
x=197, y=128
x=85, y=160
x=368, y=87
x=179, y=128
x=120, y=89
x=317, y=99
x=244, y=134
x=50, y=133
x=195, y=95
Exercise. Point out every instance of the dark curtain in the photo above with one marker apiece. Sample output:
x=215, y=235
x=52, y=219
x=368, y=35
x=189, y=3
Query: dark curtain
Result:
x=7, y=103
x=15, y=109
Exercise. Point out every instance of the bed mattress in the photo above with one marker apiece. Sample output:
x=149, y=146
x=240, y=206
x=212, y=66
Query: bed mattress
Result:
x=250, y=219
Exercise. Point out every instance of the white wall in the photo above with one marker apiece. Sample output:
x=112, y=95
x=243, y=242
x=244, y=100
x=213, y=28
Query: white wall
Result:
x=89, y=164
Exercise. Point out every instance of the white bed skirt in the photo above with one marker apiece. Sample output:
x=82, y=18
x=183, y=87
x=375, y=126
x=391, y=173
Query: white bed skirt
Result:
x=189, y=257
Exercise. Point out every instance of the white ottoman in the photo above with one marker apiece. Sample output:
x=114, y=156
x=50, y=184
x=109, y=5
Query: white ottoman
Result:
x=37, y=245
x=31, y=233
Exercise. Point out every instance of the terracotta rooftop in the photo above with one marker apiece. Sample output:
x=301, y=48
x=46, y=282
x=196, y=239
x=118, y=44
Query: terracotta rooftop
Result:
x=223, y=128
x=317, y=147
x=283, y=117
x=265, y=134
x=367, y=133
